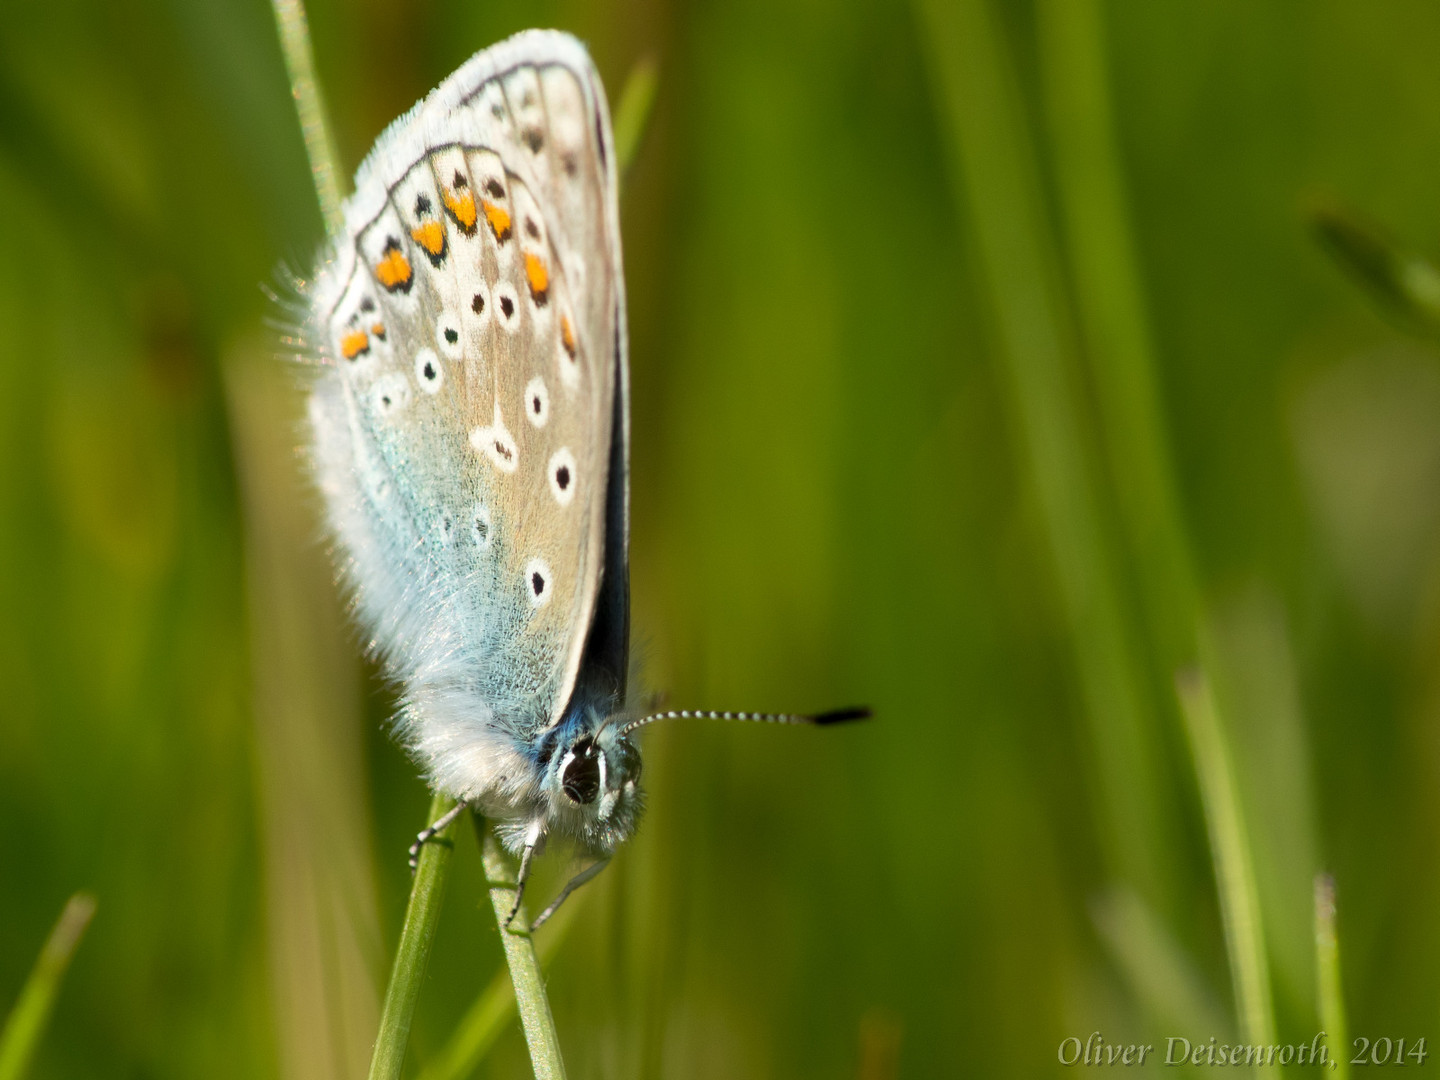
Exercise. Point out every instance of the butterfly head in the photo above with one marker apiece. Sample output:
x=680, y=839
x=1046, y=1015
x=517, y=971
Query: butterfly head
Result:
x=592, y=785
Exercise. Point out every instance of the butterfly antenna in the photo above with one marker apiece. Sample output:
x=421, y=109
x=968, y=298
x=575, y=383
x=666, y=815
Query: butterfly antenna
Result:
x=834, y=716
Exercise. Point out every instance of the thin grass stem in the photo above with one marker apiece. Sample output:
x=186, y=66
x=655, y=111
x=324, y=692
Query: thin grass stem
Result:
x=530, y=998
x=412, y=955
x=27, y=1020
x=484, y=1021
x=314, y=120
x=1230, y=850
x=1327, y=970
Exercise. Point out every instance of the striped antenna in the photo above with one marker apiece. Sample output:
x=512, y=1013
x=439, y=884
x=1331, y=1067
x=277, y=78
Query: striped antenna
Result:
x=834, y=716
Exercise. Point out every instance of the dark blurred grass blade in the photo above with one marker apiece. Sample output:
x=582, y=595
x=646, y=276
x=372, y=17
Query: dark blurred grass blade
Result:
x=412, y=954
x=31, y=145
x=27, y=1020
x=1230, y=850
x=1327, y=967
x=323, y=923
x=487, y=1018
x=998, y=190
x=632, y=113
x=530, y=997
x=1403, y=281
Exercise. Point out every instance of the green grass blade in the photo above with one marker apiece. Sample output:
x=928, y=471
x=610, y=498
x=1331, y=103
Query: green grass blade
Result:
x=1111, y=308
x=1327, y=967
x=476, y=1033
x=530, y=998
x=1123, y=366
x=412, y=955
x=1230, y=850
x=632, y=114
x=998, y=190
x=486, y=1018
x=27, y=1020
x=310, y=104
x=1161, y=977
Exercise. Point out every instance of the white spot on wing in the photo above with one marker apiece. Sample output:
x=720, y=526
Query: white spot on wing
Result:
x=537, y=582
x=427, y=371
x=449, y=336
x=568, y=365
x=478, y=303
x=481, y=526
x=563, y=479
x=507, y=306
x=496, y=443
x=389, y=394
x=537, y=402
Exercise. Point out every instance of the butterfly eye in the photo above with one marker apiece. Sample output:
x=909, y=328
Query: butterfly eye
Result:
x=580, y=773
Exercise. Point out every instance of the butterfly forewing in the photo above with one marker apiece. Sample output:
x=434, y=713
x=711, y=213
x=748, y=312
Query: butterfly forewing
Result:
x=463, y=423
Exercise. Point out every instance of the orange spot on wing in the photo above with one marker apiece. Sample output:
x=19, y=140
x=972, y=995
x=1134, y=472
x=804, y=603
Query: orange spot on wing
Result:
x=567, y=335
x=538, y=276
x=393, y=270
x=378, y=330
x=430, y=235
x=354, y=343
x=462, y=208
x=499, y=219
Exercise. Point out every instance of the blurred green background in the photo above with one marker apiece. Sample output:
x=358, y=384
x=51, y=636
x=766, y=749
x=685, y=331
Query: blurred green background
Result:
x=985, y=370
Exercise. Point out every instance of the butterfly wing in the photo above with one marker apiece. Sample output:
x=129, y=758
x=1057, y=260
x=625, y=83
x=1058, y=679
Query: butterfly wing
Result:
x=470, y=418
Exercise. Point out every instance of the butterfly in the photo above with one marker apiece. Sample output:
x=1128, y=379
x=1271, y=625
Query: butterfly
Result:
x=469, y=431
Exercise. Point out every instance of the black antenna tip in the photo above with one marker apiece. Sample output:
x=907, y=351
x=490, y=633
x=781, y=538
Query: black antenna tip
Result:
x=839, y=716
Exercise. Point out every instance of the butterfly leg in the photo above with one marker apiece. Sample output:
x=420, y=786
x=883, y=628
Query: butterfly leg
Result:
x=532, y=838
x=431, y=831
x=579, y=879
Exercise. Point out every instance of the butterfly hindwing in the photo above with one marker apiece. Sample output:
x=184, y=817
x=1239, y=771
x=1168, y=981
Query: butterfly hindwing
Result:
x=466, y=419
